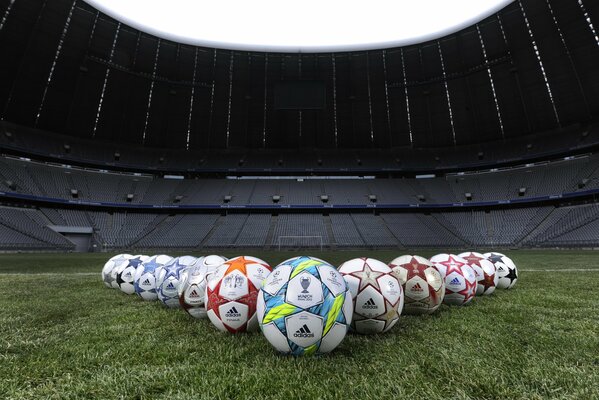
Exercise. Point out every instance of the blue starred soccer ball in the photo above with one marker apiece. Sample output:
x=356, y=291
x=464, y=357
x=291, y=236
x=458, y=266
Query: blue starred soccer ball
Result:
x=168, y=280
x=145, y=278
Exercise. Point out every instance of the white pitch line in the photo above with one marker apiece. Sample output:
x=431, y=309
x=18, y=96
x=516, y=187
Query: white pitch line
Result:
x=97, y=273
x=561, y=270
x=48, y=273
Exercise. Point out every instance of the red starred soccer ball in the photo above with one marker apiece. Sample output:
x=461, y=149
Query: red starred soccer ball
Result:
x=424, y=288
x=486, y=274
x=377, y=294
x=460, y=278
x=232, y=291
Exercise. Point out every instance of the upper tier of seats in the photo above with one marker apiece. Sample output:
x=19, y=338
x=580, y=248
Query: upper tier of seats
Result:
x=69, y=149
x=570, y=175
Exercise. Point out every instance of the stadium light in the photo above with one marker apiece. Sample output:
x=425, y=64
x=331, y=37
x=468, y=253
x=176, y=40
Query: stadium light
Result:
x=302, y=26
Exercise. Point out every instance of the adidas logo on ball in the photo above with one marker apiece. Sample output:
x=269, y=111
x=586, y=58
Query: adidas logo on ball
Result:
x=128, y=275
x=194, y=294
x=455, y=281
x=233, y=313
x=303, y=332
x=417, y=288
x=370, y=304
x=146, y=282
x=170, y=285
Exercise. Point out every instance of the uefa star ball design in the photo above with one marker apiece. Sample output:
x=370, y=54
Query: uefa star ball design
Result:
x=486, y=274
x=304, y=307
x=376, y=293
x=182, y=262
x=460, y=278
x=108, y=276
x=145, y=278
x=106, y=269
x=232, y=291
x=169, y=278
x=192, y=287
x=424, y=288
x=125, y=276
x=507, y=272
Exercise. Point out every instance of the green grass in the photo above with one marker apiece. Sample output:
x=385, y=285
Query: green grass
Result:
x=65, y=336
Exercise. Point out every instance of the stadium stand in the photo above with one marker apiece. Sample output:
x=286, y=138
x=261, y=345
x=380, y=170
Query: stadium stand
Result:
x=470, y=140
x=545, y=225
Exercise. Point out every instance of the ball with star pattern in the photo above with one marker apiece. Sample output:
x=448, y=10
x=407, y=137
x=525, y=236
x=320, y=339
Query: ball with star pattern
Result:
x=507, y=271
x=193, y=282
x=168, y=280
x=232, y=291
x=377, y=295
x=114, y=262
x=460, y=278
x=145, y=276
x=424, y=288
x=125, y=274
x=486, y=274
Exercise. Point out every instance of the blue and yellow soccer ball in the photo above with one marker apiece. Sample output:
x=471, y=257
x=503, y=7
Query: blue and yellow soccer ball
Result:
x=304, y=307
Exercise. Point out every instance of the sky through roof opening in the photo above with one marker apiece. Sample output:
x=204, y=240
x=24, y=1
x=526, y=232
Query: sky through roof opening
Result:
x=299, y=26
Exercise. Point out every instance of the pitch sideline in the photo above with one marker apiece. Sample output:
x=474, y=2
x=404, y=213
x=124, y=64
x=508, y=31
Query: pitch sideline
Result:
x=98, y=273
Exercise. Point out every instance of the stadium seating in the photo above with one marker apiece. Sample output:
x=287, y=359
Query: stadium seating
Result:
x=40, y=179
x=548, y=226
x=114, y=227
x=544, y=145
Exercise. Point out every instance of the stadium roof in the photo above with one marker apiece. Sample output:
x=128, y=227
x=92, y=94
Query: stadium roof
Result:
x=302, y=26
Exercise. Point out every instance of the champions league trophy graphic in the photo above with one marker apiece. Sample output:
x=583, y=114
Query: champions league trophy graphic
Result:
x=305, y=282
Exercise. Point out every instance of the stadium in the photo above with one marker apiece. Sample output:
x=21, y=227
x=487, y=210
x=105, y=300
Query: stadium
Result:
x=121, y=135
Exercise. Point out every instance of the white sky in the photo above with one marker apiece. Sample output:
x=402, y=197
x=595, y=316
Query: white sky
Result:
x=302, y=25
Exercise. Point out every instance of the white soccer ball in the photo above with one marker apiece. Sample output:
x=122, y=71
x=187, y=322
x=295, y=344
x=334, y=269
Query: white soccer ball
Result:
x=125, y=274
x=193, y=281
x=213, y=261
x=108, y=266
x=168, y=279
x=424, y=288
x=507, y=271
x=145, y=279
x=486, y=275
x=108, y=276
x=376, y=293
x=460, y=278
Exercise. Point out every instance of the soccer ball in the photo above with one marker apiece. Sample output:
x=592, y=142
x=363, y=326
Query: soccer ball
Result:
x=506, y=270
x=486, y=275
x=212, y=262
x=145, y=279
x=460, y=278
x=106, y=271
x=231, y=294
x=168, y=279
x=182, y=262
x=304, y=307
x=377, y=295
x=193, y=281
x=125, y=274
x=424, y=288
x=107, y=276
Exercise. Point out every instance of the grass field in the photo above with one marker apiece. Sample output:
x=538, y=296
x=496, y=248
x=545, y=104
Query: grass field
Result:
x=64, y=335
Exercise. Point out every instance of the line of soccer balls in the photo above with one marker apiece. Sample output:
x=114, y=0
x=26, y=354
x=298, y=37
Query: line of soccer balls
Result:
x=306, y=305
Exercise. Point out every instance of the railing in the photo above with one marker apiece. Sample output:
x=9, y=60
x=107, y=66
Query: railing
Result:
x=281, y=207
